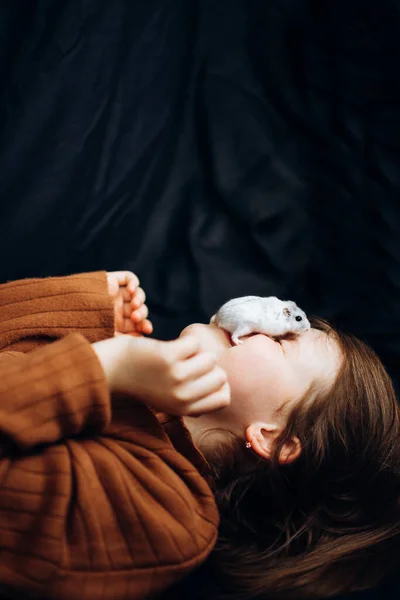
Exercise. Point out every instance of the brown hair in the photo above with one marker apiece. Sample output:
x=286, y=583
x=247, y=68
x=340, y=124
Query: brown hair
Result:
x=329, y=522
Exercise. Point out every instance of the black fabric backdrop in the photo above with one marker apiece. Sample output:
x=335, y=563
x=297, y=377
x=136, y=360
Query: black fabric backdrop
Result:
x=215, y=147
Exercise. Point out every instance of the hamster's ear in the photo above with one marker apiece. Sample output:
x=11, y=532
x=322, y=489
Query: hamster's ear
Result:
x=286, y=311
x=292, y=304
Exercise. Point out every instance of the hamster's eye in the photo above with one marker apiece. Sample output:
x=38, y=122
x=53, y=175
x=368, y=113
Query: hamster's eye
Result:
x=299, y=318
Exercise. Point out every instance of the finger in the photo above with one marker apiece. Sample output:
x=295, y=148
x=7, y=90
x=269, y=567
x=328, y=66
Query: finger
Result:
x=128, y=326
x=183, y=347
x=140, y=314
x=112, y=285
x=118, y=314
x=194, y=367
x=127, y=310
x=139, y=298
x=125, y=294
x=126, y=278
x=213, y=402
x=203, y=386
x=144, y=326
x=133, y=284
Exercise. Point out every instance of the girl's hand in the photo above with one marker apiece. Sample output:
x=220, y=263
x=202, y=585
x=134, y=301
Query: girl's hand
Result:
x=172, y=377
x=130, y=311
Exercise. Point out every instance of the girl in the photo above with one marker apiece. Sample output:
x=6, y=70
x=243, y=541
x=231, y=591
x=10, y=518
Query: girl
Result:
x=294, y=449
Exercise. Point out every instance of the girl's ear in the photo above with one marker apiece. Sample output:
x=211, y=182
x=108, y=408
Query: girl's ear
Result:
x=261, y=438
x=290, y=451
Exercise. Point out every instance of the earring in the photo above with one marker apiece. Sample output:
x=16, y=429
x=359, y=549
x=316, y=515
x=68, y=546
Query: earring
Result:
x=248, y=444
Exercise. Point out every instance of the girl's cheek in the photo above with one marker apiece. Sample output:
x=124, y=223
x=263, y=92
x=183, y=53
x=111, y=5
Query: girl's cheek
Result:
x=239, y=371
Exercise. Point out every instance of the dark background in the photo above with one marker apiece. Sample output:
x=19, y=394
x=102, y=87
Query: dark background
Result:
x=217, y=148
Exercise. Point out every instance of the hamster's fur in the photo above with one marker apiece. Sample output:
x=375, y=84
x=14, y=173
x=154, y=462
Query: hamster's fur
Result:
x=256, y=314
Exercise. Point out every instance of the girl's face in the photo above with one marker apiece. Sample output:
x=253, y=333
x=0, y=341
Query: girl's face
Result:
x=265, y=374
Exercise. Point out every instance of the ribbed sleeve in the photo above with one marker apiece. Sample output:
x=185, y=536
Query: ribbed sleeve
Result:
x=47, y=309
x=54, y=392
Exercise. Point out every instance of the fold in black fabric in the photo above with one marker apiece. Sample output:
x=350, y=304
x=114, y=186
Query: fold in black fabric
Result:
x=216, y=148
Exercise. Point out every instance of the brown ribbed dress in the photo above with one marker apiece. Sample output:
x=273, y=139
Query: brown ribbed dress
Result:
x=97, y=501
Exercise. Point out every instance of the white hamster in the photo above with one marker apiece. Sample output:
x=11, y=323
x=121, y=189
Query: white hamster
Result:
x=255, y=314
